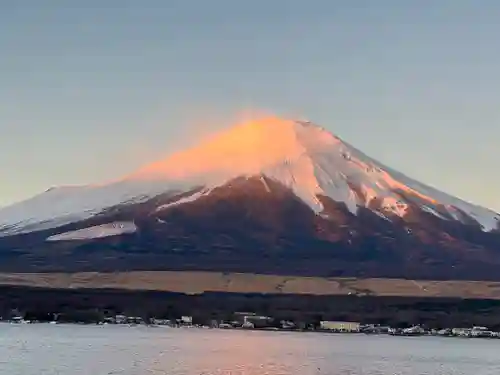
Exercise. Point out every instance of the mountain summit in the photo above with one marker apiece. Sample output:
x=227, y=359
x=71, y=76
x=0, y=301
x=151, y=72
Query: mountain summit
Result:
x=287, y=188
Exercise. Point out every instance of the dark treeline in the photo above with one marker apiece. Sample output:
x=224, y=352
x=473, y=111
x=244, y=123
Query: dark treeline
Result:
x=87, y=305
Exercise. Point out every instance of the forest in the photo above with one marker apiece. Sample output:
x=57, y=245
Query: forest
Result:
x=88, y=305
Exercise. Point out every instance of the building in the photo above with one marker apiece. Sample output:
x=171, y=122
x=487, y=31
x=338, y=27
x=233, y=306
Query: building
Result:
x=186, y=321
x=374, y=329
x=286, y=324
x=258, y=321
x=461, y=332
x=120, y=319
x=18, y=319
x=339, y=326
x=251, y=320
x=481, y=332
x=248, y=325
x=413, y=331
x=133, y=320
x=161, y=322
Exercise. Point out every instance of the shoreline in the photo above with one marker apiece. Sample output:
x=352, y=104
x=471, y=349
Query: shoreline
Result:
x=266, y=329
x=281, y=311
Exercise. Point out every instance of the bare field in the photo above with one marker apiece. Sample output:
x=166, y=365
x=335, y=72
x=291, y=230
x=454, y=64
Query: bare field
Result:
x=198, y=282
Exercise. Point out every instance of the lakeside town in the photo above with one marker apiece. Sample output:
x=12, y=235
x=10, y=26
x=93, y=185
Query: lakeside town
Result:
x=253, y=321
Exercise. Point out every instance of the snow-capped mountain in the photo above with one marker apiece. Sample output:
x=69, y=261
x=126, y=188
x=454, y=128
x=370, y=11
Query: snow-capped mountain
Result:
x=336, y=191
x=303, y=157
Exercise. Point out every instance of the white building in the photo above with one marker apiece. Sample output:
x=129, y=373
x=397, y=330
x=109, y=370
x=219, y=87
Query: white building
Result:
x=340, y=326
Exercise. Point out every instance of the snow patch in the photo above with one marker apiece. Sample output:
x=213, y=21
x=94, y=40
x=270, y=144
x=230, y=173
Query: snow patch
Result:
x=266, y=186
x=395, y=206
x=434, y=212
x=61, y=206
x=98, y=231
x=183, y=200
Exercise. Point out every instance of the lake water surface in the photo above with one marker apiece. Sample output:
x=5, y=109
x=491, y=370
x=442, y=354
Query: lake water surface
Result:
x=76, y=350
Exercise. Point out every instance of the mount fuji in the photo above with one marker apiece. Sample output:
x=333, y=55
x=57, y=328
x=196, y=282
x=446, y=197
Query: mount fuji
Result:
x=268, y=196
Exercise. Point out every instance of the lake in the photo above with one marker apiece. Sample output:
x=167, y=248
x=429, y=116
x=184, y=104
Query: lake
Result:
x=43, y=349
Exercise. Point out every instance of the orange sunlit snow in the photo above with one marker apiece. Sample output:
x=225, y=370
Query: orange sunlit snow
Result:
x=258, y=145
x=246, y=148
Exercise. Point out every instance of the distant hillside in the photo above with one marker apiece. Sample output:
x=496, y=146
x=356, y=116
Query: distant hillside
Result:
x=200, y=282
